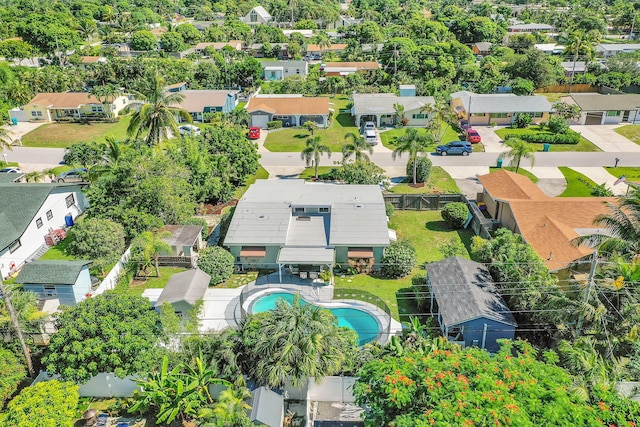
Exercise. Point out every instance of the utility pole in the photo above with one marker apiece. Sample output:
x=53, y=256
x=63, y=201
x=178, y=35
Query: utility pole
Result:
x=633, y=24
x=592, y=272
x=395, y=58
x=16, y=324
x=573, y=71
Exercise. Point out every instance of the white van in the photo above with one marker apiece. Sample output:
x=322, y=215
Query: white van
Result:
x=370, y=137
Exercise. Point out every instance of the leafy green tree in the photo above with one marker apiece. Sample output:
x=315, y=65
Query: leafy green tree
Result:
x=48, y=403
x=106, y=94
x=521, y=86
x=423, y=168
x=518, y=150
x=230, y=410
x=356, y=147
x=439, y=383
x=313, y=151
x=293, y=342
x=360, y=172
x=310, y=126
x=232, y=143
x=13, y=372
x=143, y=40
x=172, y=42
x=189, y=33
x=455, y=214
x=399, y=112
x=412, y=143
x=147, y=248
x=157, y=116
x=566, y=111
x=101, y=240
x=94, y=329
x=217, y=262
x=536, y=66
x=399, y=259
x=522, y=120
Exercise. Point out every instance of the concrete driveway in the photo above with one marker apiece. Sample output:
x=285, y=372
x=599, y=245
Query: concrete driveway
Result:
x=23, y=128
x=491, y=141
x=467, y=178
x=606, y=139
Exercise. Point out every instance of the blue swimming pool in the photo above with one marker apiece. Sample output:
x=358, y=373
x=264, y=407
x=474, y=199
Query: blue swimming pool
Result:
x=360, y=321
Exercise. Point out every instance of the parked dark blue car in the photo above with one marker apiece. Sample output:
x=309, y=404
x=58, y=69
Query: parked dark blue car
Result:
x=455, y=147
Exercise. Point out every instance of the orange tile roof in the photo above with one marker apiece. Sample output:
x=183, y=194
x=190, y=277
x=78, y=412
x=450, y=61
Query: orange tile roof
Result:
x=316, y=47
x=90, y=59
x=504, y=184
x=64, y=99
x=290, y=106
x=365, y=65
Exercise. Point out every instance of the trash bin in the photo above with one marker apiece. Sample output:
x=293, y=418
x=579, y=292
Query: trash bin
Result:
x=14, y=121
x=68, y=220
x=499, y=163
x=546, y=147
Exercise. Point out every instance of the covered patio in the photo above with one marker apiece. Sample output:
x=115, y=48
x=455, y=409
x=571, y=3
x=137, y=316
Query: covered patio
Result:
x=305, y=262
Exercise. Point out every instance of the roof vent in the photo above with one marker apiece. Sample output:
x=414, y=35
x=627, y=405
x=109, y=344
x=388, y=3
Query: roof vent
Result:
x=303, y=218
x=359, y=206
x=262, y=217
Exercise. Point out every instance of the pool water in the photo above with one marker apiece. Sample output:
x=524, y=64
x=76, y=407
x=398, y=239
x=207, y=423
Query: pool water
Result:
x=360, y=321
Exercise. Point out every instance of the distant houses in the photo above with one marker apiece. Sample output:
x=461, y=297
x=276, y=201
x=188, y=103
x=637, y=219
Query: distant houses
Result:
x=256, y=16
x=278, y=70
x=346, y=68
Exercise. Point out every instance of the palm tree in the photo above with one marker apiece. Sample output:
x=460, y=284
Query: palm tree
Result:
x=413, y=143
x=5, y=140
x=399, y=110
x=442, y=116
x=324, y=42
x=312, y=152
x=357, y=147
x=106, y=95
x=622, y=228
x=518, y=150
x=158, y=115
x=580, y=40
x=147, y=247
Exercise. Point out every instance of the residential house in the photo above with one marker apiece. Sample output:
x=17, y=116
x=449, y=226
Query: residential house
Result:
x=548, y=224
x=278, y=70
x=550, y=48
x=610, y=49
x=61, y=106
x=256, y=16
x=372, y=48
x=184, y=290
x=315, y=49
x=307, y=34
x=200, y=102
x=574, y=68
x=91, y=60
x=69, y=281
x=185, y=240
x=467, y=304
x=346, y=68
x=482, y=48
x=343, y=21
x=484, y=109
x=292, y=110
x=599, y=109
x=27, y=213
x=530, y=28
x=379, y=108
x=256, y=50
x=233, y=44
x=177, y=87
x=267, y=408
x=306, y=226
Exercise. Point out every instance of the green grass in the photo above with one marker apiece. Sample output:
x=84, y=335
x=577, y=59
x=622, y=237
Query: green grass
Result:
x=59, y=251
x=632, y=174
x=575, y=187
x=388, y=136
x=310, y=172
x=426, y=230
x=262, y=173
x=439, y=181
x=61, y=135
x=521, y=171
x=553, y=97
x=238, y=279
x=140, y=283
x=583, y=146
x=241, y=105
x=4, y=164
x=631, y=132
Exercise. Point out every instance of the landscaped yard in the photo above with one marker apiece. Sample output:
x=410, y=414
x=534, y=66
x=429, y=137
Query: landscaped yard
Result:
x=631, y=132
x=575, y=185
x=427, y=231
x=262, y=173
x=583, y=145
x=388, y=136
x=294, y=140
x=238, y=279
x=142, y=282
x=632, y=174
x=310, y=172
x=521, y=171
x=439, y=182
x=61, y=135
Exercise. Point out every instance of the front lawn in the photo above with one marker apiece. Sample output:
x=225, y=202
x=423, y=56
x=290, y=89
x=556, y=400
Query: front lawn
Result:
x=576, y=186
x=310, y=172
x=61, y=135
x=632, y=174
x=521, y=171
x=388, y=136
x=261, y=173
x=142, y=281
x=439, y=182
x=583, y=146
x=631, y=132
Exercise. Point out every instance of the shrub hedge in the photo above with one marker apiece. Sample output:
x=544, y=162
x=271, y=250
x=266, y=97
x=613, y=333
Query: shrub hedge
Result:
x=571, y=137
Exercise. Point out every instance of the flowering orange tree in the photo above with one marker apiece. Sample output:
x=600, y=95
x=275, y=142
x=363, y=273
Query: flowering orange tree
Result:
x=471, y=387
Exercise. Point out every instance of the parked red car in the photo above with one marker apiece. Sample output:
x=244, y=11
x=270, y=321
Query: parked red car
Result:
x=254, y=133
x=473, y=136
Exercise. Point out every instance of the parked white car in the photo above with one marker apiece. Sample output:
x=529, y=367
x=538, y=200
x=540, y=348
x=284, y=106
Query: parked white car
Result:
x=192, y=130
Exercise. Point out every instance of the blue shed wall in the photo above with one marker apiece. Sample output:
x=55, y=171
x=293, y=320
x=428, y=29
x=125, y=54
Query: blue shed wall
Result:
x=473, y=330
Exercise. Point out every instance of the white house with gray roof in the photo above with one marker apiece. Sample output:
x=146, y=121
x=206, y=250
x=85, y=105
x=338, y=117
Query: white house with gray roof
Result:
x=599, y=109
x=501, y=109
x=293, y=225
x=278, y=70
x=379, y=107
x=610, y=49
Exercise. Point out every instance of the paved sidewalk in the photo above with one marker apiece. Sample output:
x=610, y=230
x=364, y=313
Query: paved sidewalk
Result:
x=600, y=175
x=606, y=139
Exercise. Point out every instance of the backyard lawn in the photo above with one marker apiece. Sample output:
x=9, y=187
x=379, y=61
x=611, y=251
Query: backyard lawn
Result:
x=575, y=185
x=294, y=140
x=521, y=171
x=552, y=97
x=631, y=132
x=61, y=135
x=439, y=182
x=140, y=283
x=582, y=146
x=426, y=230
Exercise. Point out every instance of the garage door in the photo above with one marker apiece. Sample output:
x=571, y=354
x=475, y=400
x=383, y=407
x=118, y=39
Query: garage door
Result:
x=259, y=120
x=593, y=119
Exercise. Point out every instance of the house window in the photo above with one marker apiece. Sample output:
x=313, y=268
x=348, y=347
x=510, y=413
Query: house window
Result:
x=39, y=222
x=50, y=291
x=323, y=210
x=419, y=116
x=36, y=114
x=49, y=215
x=297, y=71
x=70, y=200
x=536, y=115
x=499, y=115
x=96, y=108
x=298, y=210
x=253, y=16
x=15, y=246
x=613, y=113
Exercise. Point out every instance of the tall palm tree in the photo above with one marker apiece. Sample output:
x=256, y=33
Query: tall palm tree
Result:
x=158, y=115
x=577, y=41
x=441, y=116
x=622, y=228
x=356, y=147
x=313, y=151
x=412, y=143
x=324, y=42
x=106, y=95
x=147, y=247
x=518, y=150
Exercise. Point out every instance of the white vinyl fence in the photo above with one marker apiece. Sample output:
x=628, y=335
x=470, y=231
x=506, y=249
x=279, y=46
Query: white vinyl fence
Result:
x=111, y=280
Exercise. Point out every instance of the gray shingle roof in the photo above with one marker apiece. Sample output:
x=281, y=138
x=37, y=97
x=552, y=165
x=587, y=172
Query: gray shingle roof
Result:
x=382, y=103
x=188, y=286
x=54, y=272
x=502, y=103
x=465, y=291
x=182, y=235
x=599, y=102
